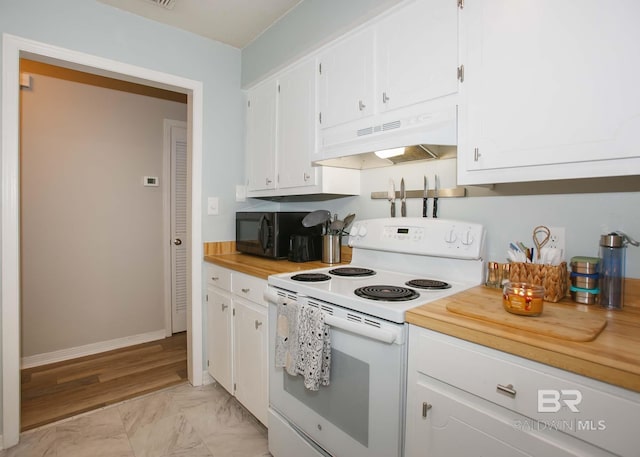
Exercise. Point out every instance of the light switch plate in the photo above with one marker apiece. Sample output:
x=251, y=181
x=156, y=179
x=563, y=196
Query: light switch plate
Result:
x=212, y=206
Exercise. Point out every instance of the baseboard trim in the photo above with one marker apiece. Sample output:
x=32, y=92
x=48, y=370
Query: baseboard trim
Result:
x=89, y=349
x=207, y=379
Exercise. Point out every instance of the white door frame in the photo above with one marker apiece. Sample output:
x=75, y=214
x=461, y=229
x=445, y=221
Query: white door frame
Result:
x=13, y=48
x=167, y=171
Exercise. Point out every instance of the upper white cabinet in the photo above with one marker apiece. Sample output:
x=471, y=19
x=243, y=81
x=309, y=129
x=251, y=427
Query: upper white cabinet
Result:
x=550, y=90
x=281, y=139
x=296, y=126
x=392, y=83
x=261, y=137
x=417, y=54
x=346, y=80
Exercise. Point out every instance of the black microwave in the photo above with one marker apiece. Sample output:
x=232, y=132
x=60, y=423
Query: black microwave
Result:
x=267, y=233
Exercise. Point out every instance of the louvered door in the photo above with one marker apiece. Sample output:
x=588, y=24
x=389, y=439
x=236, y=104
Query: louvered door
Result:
x=179, y=229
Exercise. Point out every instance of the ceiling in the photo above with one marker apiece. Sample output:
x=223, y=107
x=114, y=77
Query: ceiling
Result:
x=234, y=22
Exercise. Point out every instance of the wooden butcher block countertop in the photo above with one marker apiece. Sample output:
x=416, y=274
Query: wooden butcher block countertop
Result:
x=225, y=255
x=613, y=356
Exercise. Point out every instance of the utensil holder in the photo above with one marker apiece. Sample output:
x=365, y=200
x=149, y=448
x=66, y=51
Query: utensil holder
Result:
x=331, y=248
x=554, y=278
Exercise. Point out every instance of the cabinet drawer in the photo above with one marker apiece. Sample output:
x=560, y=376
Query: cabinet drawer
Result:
x=219, y=277
x=249, y=287
x=593, y=411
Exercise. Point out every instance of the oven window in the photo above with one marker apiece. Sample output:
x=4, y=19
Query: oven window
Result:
x=345, y=402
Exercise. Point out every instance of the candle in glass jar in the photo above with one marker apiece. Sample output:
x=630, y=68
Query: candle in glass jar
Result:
x=523, y=298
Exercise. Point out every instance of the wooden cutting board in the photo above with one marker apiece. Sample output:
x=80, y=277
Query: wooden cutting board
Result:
x=559, y=321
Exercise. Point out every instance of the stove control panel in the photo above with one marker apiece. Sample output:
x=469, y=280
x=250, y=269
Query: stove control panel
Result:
x=422, y=236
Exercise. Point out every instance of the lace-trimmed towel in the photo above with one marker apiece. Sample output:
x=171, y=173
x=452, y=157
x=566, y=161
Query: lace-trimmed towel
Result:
x=303, y=344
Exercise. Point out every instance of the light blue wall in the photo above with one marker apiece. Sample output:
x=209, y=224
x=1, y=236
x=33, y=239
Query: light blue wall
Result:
x=94, y=28
x=308, y=26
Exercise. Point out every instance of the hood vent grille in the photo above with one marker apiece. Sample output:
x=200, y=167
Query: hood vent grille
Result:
x=166, y=4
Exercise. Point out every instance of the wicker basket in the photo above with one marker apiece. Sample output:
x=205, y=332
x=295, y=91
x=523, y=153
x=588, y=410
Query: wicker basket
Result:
x=554, y=278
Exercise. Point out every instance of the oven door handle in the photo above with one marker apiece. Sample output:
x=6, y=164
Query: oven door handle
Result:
x=383, y=335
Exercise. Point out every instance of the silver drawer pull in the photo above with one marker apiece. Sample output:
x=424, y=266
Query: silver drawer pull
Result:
x=507, y=390
x=246, y=291
x=214, y=278
x=425, y=408
x=258, y=324
x=224, y=306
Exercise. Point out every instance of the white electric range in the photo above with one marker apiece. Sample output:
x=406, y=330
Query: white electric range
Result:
x=397, y=264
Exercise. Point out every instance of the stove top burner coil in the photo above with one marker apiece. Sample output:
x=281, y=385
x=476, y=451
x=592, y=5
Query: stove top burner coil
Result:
x=387, y=293
x=311, y=277
x=352, y=271
x=428, y=284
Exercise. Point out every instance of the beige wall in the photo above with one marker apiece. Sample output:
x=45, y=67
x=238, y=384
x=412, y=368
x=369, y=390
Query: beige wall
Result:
x=92, y=259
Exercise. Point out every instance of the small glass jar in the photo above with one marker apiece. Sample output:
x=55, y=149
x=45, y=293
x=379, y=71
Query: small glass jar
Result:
x=523, y=298
x=493, y=275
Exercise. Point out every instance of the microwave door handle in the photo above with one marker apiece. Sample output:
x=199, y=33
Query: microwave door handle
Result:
x=263, y=233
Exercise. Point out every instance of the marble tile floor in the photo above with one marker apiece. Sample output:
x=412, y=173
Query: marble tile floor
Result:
x=181, y=421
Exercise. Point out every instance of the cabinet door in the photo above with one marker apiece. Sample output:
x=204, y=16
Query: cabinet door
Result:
x=219, y=337
x=417, y=50
x=546, y=83
x=444, y=421
x=297, y=126
x=251, y=355
x=346, y=80
x=261, y=137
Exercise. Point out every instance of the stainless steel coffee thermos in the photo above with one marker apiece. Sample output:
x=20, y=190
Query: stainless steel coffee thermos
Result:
x=612, y=268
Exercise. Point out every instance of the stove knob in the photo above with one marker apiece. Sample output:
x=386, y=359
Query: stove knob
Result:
x=450, y=237
x=468, y=239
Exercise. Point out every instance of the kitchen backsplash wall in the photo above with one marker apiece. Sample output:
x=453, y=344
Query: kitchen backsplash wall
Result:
x=585, y=216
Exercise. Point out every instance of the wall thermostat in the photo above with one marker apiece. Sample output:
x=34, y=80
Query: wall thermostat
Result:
x=152, y=181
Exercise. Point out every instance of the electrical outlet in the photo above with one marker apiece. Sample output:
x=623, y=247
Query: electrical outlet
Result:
x=557, y=239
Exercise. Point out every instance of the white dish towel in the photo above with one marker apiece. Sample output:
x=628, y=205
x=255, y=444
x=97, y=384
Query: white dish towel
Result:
x=303, y=344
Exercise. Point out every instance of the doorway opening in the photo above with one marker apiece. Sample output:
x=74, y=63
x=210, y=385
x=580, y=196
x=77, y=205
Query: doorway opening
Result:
x=92, y=240
x=15, y=48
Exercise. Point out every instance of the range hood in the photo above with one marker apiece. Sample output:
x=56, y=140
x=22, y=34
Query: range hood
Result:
x=377, y=159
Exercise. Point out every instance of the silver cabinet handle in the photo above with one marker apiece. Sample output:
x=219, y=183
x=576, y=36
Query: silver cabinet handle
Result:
x=214, y=278
x=476, y=154
x=258, y=324
x=246, y=290
x=177, y=241
x=267, y=181
x=385, y=98
x=361, y=105
x=224, y=306
x=425, y=408
x=307, y=176
x=508, y=390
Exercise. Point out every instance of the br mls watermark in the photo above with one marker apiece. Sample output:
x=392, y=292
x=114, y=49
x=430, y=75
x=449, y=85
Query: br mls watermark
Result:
x=552, y=401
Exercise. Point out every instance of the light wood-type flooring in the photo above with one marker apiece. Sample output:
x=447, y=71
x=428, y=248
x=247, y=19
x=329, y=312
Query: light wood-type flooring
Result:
x=64, y=389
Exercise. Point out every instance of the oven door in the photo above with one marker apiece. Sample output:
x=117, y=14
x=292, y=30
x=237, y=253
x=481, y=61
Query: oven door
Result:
x=361, y=412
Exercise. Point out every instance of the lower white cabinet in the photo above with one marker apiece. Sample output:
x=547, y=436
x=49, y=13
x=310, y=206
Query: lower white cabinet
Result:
x=251, y=348
x=467, y=399
x=237, y=344
x=219, y=337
